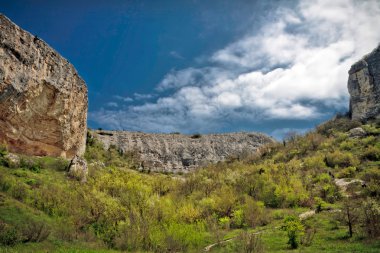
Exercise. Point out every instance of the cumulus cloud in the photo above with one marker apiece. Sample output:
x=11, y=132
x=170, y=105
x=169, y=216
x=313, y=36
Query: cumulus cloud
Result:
x=294, y=67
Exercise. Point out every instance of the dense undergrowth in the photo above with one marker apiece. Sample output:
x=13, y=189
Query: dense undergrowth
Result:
x=255, y=200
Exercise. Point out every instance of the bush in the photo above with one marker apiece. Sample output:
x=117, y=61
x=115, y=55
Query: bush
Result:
x=340, y=159
x=348, y=172
x=294, y=229
x=254, y=213
x=35, y=231
x=19, y=191
x=31, y=164
x=249, y=243
x=9, y=236
x=371, y=154
x=308, y=237
x=342, y=124
x=196, y=136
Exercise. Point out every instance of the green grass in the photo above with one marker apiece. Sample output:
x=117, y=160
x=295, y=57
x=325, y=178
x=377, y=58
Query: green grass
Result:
x=327, y=239
x=122, y=209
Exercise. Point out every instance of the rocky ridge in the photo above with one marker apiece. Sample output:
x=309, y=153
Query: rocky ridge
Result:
x=181, y=153
x=364, y=87
x=43, y=101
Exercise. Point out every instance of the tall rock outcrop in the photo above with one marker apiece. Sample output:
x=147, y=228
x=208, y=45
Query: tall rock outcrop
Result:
x=43, y=101
x=364, y=87
x=181, y=153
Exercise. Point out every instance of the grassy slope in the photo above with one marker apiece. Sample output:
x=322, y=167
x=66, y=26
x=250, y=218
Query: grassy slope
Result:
x=118, y=204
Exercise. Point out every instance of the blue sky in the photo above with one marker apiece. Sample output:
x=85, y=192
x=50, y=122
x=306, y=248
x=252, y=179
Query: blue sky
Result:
x=207, y=66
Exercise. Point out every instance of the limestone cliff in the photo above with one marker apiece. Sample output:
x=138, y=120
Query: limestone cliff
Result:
x=43, y=101
x=364, y=87
x=181, y=153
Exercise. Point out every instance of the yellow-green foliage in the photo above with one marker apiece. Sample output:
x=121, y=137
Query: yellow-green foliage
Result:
x=124, y=209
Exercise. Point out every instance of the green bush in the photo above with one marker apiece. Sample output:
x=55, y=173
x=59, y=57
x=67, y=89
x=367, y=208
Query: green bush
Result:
x=294, y=229
x=372, y=153
x=341, y=159
x=339, y=124
x=348, y=172
x=9, y=236
x=35, y=231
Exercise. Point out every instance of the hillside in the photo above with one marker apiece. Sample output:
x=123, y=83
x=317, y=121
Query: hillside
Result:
x=300, y=193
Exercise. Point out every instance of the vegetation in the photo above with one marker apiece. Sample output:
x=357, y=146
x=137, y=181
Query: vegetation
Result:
x=255, y=201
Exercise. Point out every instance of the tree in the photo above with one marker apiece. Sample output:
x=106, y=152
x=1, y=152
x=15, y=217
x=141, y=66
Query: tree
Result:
x=350, y=214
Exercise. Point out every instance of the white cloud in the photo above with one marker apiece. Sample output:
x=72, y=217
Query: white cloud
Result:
x=112, y=104
x=176, y=55
x=124, y=99
x=296, y=64
x=139, y=96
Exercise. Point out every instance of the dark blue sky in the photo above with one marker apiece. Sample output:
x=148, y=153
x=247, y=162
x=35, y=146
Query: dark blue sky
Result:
x=124, y=50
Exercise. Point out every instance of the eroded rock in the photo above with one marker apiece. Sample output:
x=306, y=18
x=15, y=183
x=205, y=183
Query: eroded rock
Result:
x=364, y=87
x=181, y=153
x=43, y=101
x=357, y=132
x=78, y=169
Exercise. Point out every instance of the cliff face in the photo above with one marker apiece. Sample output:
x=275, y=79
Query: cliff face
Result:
x=364, y=87
x=43, y=101
x=178, y=152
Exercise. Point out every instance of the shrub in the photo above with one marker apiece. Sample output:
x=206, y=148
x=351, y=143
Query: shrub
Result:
x=254, y=213
x=348, y=172
x=347, y=145
x=371, y=154
x=196, y=136
x=31, y=164
x=371, y=129
x=294, y=229
x=320, y=205
x=225, y=222
x=342, y=124
x=35, y=231
x=238, y=218
x=53, y=163
x=340, y=159
x=9, y=236
x=308, y=237
x=249, y=243
x=19, y=191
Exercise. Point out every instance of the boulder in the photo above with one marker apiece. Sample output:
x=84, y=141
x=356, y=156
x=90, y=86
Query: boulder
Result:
x=357, y=132
x=43, y=101
x=364, y=87
x=78, y=169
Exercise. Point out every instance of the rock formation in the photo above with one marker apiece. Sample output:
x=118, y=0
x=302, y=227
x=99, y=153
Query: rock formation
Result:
x=78, y=169
x=364, y=87
x=181, y=153
x=43, y=101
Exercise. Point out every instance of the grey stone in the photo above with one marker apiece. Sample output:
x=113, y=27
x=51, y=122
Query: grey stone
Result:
x=364, y=87
x=357, y=132
x=13, y=160
x=179, y=153
x=43, y=101
x=78, y=169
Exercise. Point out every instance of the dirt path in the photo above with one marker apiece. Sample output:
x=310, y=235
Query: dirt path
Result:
x=209, y=247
